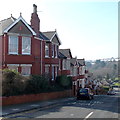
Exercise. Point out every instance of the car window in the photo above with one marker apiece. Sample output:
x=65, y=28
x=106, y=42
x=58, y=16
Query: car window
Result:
x=83, y=90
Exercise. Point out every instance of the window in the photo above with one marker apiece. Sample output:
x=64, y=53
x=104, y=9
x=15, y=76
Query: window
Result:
x=56, y=71
x=56, y=51
x=26, y=70
x=13, y=67
x=13, y=45
x=52, y=50
x=47, y=69
x=68, y=64
x=64, y=64
x=26, y=45
x=53, y=71
x=46, y=50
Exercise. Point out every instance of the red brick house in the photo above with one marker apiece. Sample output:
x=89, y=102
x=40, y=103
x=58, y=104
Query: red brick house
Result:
x=51, y=60
x=73, y=67
x=64, y=62
x=26, y=49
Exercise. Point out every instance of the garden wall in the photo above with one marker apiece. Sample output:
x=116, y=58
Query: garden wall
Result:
x=35, y=97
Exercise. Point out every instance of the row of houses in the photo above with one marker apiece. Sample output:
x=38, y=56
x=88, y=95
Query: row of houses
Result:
x=29, y=51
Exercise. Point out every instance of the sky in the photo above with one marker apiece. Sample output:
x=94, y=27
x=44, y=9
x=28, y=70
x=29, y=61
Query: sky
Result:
x=88, y=27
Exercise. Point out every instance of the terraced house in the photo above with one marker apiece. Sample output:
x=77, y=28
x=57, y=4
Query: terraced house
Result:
x=73, y=67
x=29, y=51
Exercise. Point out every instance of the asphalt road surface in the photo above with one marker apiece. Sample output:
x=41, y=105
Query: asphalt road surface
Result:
x=102, y=106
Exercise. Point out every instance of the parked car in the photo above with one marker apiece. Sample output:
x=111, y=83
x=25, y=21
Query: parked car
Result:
x=84, y=93
x=111, y=92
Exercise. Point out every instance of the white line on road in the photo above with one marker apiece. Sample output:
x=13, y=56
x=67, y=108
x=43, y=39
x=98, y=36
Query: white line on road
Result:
x=71, y=114
x=88, y=115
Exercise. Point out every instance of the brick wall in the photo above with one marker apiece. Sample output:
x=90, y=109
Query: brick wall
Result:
x=35, y=97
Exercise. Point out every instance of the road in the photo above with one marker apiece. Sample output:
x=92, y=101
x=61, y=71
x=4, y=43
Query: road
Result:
x=102, y=106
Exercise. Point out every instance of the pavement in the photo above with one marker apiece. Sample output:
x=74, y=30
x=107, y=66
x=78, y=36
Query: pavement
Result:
x=12, y=109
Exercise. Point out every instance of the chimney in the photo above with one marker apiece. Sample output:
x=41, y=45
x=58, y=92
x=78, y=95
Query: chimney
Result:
x=35, y=21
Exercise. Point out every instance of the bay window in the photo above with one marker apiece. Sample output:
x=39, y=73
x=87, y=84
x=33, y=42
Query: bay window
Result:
x=46, y=50
x=56, y=71
x=53, y=51
x=13, y=67
x=56, y=51
x=13, y=45
x=53, y=72
x=26, y=45
x=26, y=69
x=47, y=69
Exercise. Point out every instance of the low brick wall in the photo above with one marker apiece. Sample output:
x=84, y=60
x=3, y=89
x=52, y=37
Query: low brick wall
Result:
x=35, y=97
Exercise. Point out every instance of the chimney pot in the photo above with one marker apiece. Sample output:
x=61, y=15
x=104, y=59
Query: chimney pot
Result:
x=34, y=8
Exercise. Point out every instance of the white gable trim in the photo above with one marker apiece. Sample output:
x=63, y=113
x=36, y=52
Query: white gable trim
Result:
x=57, y=37
x=20, y=18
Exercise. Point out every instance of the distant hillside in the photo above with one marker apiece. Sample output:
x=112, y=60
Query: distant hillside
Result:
x=103, y=69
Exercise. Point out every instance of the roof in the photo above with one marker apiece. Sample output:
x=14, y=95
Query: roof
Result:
x=16, y=21
x=81, y=62
x=4, y=24
x=49, y=35
x=42, y=36
x=60, y=55
x=7, y=24
x=73, y=61
x=66, y=52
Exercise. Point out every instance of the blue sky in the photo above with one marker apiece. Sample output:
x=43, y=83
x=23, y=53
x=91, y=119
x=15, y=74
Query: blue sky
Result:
x=89, y=29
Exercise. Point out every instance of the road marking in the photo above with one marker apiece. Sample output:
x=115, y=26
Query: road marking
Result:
x=71, y=114
x=88, y=115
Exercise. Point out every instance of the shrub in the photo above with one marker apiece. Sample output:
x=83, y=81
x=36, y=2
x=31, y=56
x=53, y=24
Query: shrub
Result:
x=37, y=84
x=13, y=83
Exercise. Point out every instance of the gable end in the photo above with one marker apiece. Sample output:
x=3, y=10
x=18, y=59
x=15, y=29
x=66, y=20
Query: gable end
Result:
x=25, y=23
x=20, y=28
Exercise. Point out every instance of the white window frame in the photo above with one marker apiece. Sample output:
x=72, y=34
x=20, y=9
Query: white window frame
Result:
x=47, y=66
x=53, y=73
x=64, y=64
x=56, y=51
x=53, y=51
x=26, y=65
x=13, y=65
x=9, y=45
x=46, y=50
x=56, y=71
x=26, y=38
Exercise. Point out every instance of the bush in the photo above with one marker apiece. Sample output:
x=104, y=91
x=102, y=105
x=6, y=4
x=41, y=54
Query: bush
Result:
x=64, y=81
x=16, y=84
x=37, y=84
x=13, y=83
